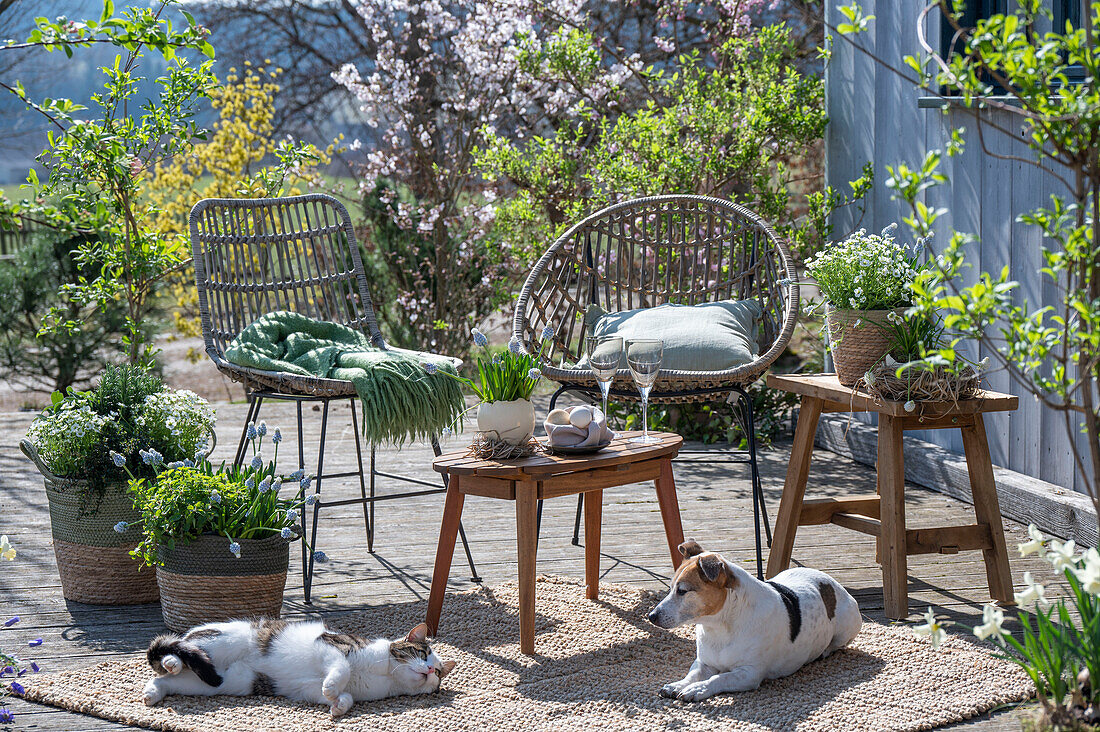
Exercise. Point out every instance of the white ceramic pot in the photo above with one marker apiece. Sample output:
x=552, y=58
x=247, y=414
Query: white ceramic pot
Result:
x=512, y=422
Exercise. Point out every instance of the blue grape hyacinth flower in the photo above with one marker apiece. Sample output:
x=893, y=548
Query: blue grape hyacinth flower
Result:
x=121, y=527
x=431, y=368
x=257, y=461
x=117, y=459
x=277, y=436
x=479, y=338
x=286, y=533
x=235, y=549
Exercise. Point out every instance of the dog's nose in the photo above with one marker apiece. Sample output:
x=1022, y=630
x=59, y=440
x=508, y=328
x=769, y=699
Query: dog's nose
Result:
x=652, y=616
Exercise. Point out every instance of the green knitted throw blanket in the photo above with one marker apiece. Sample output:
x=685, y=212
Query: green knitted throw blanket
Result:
x=401, y=401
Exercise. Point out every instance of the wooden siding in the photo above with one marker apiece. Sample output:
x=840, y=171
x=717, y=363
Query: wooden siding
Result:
x=874, y=116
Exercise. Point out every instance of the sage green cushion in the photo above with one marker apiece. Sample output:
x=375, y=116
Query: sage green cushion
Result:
x=712, y=336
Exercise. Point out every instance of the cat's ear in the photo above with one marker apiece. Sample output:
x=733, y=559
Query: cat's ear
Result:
x=448, y=667
x=419, y=634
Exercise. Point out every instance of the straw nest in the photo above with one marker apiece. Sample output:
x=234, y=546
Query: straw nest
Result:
x=487, y=446
x=921, y=383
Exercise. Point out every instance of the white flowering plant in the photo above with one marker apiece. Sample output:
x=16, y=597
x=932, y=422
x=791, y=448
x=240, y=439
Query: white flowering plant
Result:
x=867, y=271
x=504, y=376
x=128, y=411
x=1059, y=640
x=187, y=499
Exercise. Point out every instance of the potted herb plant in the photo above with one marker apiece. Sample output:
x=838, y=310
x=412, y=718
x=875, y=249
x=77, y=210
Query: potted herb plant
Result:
x=863, y=278
x=219, y=537
x=505, y=382
x=82, y=444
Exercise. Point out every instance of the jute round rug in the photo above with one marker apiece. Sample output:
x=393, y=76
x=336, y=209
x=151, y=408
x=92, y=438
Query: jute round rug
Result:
x=600, y=665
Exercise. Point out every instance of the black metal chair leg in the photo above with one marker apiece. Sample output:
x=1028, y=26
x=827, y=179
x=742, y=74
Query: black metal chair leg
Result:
x=302, y=467
x=757, y=493
x=577, y=523
x=368, y=519
x=254, y=403
x=373, y=525
x=757, y=485
x=307, y=571
x=461, y=530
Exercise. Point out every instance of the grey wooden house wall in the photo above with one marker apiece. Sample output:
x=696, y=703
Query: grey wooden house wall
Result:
x=875, y=115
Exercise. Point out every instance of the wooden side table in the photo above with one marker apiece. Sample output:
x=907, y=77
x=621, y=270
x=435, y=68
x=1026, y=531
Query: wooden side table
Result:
x=528, y=480
x=883, y=516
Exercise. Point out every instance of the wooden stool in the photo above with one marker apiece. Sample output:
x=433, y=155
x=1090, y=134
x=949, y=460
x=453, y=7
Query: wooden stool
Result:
x=883, y=516
x=529, y=480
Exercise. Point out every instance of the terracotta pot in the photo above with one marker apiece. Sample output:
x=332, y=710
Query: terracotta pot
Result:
x=512, y=422
x=858, y=339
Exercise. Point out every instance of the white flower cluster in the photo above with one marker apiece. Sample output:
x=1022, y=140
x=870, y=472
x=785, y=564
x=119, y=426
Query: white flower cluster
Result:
x=180, y=418
x=865, y=271
x=64, y=437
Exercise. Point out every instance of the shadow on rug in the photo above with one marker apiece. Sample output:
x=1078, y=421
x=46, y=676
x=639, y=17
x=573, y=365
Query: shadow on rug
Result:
x=600, y=664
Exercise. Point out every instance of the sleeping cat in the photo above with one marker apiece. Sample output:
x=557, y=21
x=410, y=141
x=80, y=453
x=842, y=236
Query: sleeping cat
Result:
x=304, y=661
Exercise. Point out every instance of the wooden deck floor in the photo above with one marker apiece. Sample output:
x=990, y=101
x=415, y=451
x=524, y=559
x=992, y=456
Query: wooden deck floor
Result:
x=715, y=505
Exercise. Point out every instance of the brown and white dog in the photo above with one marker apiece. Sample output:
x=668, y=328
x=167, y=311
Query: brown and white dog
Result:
x=747, y=630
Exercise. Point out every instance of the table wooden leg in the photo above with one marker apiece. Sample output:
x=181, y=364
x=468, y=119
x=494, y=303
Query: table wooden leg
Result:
x=670, y=511
x=593, y=514
x=891, y=480
x=448, y=532
x=526, y=538
x=987, y=509
x=794, y=487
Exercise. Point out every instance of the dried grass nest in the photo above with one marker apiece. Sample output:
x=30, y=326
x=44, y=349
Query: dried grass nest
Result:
x=921, y=384
x=488, y=446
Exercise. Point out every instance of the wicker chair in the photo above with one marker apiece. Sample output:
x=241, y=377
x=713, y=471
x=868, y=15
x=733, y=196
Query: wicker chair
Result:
x=255, y=256
x=663, y=249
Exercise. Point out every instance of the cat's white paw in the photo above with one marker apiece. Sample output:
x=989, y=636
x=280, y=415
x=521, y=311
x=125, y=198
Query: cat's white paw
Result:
x=342, y=705
x=172, y=664
x=330, y=689
x=152, y=694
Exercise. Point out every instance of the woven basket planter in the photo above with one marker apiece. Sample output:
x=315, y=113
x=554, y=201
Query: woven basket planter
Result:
x=858, y=339
x=202, y=582
x=93, y=559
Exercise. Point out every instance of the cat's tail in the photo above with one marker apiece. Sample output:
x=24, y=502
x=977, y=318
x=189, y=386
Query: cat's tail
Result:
x=168, y=650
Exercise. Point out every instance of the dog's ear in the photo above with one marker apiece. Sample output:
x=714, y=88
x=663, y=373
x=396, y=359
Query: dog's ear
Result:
x=713, y=568
x=690, y=548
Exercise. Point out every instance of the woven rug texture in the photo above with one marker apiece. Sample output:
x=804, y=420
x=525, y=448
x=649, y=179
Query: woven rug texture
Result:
x=599, y=665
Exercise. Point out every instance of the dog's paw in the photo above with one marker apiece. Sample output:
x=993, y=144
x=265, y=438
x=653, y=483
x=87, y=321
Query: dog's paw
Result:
x=672, y=689
x=152, y=695
x=172, y=664
x=698, y=691
x=342, y=705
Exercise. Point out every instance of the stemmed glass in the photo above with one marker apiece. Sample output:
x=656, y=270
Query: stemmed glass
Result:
x=604, y=354
x=644, y=359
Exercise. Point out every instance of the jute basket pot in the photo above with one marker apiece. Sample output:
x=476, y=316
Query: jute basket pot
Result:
x=93, y=559
x=202, y=582
x=858, y=339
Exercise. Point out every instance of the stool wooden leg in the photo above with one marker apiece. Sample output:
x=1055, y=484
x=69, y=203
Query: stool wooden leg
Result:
x=794, y=488
x=448, y=532
x=891, y=480
x=593, y=514
x=670, y=511
x=526, y=542
x=987, y=509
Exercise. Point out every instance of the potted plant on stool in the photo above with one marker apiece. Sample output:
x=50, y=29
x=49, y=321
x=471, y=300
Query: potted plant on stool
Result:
x=863, y=278
x=219, y=537
x=82, y=445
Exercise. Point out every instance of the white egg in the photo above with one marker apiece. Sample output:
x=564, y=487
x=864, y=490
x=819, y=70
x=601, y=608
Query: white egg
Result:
x=580, y=417
x=557, y=416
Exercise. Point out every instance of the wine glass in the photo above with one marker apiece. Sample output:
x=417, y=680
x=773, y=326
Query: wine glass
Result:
x=644, y=359
x=604, y=354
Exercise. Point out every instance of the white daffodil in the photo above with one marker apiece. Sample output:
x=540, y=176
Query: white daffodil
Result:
x=992, y=620
x=1089, y=574
x=1034, y=593
x=1035, y=545
x=1062, y=555
x=932, y=629
x=7, y=551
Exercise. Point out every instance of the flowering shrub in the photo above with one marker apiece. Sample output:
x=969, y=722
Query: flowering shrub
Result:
x=187, y=499
x=866, y=271
x=130, y=410
x=505, y=376
x=1059, y=642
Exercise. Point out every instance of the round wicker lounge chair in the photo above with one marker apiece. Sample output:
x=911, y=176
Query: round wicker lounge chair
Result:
x=256, y=256
x=663, y=249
